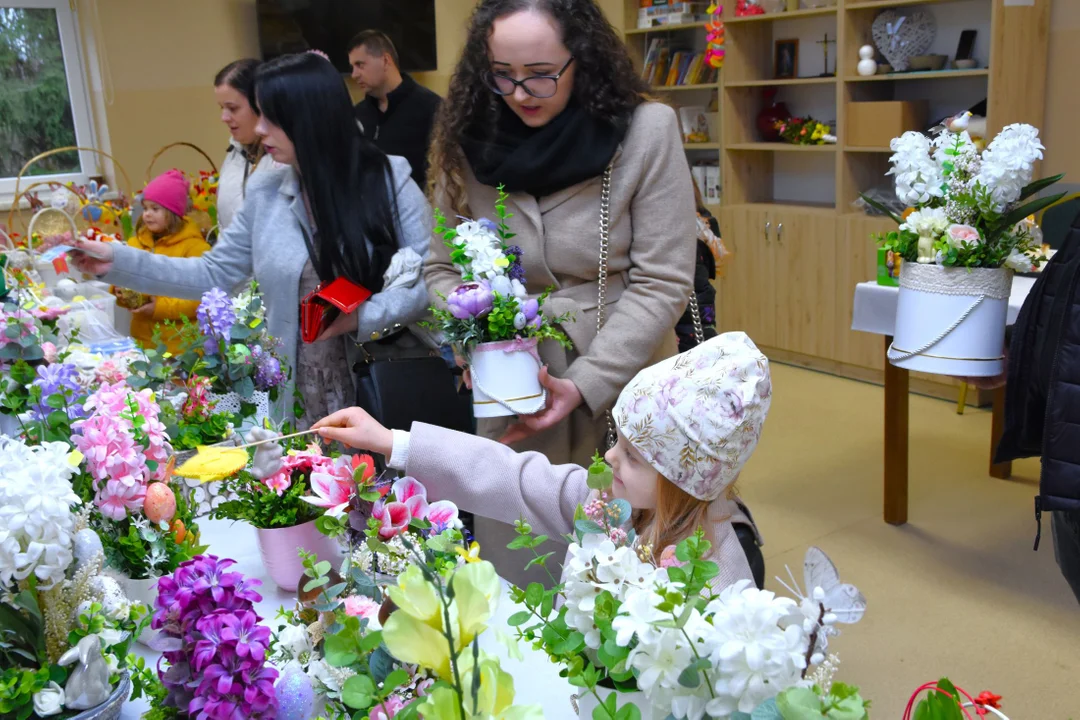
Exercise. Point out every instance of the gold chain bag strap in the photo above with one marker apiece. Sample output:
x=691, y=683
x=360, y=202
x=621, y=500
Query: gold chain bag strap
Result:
x=601, y=282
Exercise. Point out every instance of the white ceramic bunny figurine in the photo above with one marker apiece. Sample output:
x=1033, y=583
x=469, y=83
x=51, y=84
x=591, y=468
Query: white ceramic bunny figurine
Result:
x=88, y=685
x=267, y=458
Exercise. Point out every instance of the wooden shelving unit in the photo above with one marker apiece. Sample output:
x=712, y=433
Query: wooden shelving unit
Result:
x=681, y=88
x=660, y=29
x=787, y=212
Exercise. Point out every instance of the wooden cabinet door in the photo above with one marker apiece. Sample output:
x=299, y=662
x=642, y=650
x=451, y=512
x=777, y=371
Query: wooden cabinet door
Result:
x=856, y=262
x=804, y=280
x=745, y=295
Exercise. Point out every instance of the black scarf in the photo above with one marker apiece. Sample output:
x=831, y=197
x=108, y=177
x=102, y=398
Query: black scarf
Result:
x=572, y=148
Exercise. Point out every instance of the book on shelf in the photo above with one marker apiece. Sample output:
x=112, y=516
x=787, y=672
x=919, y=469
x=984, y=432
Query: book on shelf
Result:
x=672, y=13
x=707, y=178
x=664, y=68
x=694, y=120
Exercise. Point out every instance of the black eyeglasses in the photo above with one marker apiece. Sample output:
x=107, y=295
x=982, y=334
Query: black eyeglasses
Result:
x=539, y=86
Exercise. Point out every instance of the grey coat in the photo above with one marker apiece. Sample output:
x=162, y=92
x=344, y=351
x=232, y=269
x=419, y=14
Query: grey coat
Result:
x=264, y=240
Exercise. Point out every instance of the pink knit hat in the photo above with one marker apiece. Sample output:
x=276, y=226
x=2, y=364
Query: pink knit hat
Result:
x=170, y=191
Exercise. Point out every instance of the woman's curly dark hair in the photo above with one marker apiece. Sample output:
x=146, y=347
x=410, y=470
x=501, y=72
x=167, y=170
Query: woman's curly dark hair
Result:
x=605, y=83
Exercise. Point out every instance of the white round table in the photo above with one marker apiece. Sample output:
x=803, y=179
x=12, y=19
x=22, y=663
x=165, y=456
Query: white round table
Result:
x=536, y=680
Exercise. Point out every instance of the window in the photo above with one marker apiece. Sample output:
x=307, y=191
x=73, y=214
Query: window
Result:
x=44, y=102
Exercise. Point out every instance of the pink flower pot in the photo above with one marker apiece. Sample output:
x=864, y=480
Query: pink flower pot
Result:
x=279, y=552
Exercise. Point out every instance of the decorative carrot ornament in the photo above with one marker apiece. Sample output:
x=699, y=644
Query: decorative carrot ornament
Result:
x=714, y=29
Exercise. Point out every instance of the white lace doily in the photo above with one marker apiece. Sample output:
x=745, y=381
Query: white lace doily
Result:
x=995, y=283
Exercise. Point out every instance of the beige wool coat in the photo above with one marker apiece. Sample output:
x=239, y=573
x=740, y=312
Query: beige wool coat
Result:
x=650, y=265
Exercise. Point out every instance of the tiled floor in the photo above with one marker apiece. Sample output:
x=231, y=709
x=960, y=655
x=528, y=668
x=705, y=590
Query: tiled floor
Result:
x=958, y=591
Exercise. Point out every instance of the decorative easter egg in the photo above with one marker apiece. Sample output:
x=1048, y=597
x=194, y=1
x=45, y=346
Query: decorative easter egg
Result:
x=179, y=530
x=160, y=505
x=295, y=696
x=86, y=546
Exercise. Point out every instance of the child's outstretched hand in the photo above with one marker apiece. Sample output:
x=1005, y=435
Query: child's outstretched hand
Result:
x=355, y=428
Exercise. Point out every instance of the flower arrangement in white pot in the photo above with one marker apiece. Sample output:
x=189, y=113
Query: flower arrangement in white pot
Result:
x=490, y=320
x=967, y=229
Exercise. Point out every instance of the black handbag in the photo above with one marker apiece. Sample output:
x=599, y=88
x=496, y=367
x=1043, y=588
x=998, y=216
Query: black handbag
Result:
x=400, y=391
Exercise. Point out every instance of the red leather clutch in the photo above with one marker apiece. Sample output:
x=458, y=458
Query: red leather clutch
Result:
x=318, y=309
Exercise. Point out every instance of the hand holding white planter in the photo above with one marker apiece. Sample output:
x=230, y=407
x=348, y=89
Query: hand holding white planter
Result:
x=490, y=318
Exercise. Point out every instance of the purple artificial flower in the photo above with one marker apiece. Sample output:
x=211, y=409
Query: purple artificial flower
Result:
x=268, y=373
x=489, y=225
x=63, y=380
x=243, y=629
x=216, y=317
x=708, y=314
x=517, y=269
x=471, y=300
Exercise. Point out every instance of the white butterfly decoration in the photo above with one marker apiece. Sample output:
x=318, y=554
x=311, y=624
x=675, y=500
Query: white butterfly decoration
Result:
x=827, y=601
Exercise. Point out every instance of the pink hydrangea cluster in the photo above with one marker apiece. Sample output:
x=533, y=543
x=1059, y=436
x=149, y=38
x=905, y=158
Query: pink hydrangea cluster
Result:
x=125, y=446
x=213, y=643
x=108, y=372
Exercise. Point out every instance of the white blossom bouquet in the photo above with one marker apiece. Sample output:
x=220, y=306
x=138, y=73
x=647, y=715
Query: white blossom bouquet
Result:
x=627, y=624
x=966, y=208
x=53, y=595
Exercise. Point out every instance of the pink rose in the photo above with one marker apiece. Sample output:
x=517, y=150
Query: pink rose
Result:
x=958, y=235
x=362, y=606
x=50, y=352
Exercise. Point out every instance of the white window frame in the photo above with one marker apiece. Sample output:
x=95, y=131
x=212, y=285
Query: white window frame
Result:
x=78, y=92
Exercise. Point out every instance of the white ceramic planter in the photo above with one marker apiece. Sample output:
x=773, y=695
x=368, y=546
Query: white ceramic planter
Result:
x=505, y=377
x=951, y=321
x=145, y=592
x=587, y=702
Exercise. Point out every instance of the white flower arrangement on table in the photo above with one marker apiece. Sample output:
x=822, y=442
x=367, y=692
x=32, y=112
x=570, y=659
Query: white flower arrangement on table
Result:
x=967, y=208
x=64, y=627
x=627, y=624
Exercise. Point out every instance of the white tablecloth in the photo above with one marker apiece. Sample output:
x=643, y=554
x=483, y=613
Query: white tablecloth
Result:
x=536, y=680
x=875, y=305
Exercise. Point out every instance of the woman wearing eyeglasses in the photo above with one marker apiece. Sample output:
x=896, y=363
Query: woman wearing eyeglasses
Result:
x=543, y=100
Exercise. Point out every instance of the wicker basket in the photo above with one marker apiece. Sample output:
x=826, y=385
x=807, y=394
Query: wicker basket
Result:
x=201, y=218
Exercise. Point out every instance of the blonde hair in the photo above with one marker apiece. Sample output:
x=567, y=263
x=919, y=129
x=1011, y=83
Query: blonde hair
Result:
x=677, y=516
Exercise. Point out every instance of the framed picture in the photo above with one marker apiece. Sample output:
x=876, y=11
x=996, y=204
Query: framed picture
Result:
x=786, y=58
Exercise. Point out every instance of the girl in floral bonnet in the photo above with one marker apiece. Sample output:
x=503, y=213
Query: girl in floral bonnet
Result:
x=686, y=426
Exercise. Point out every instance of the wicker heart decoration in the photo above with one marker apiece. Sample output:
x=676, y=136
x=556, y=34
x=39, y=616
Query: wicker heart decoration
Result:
x=901, y=36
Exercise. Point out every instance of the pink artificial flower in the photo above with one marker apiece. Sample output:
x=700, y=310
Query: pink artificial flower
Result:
x=388, y=708
x=668, y=559
x=279, y=482
x=332, y=491
x=115, y=499
x=424, y=686
x=50, y=352
x=958, y=234
x=442, y=515
x=393, y=517
x=363, y=607
x=407, y=488
x=108, y=373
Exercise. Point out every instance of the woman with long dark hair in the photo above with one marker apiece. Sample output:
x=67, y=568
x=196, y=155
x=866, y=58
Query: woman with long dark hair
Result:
x=234, y=90
x=337, y=207
x=544, y=100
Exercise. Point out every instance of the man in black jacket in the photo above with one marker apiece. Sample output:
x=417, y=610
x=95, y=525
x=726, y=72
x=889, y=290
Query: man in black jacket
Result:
x=397, y=114
x=1042, y=399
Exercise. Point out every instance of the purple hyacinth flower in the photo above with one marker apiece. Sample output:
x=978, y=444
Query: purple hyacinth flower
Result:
x=58, y=379
x=471, y=300
x=517, y=269
x=216, y=317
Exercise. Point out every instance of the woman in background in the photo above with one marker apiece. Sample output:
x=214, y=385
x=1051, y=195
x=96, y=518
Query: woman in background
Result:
x=336, y=207
x=234, y=89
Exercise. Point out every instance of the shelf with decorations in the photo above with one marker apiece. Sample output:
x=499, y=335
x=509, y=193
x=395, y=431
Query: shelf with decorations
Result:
x=673, y=58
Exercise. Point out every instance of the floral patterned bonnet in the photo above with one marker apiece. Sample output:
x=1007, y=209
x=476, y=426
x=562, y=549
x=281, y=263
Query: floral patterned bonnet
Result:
x=697, y=417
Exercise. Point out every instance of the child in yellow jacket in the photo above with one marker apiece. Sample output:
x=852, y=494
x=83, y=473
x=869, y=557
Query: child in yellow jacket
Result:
x=164, y=229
